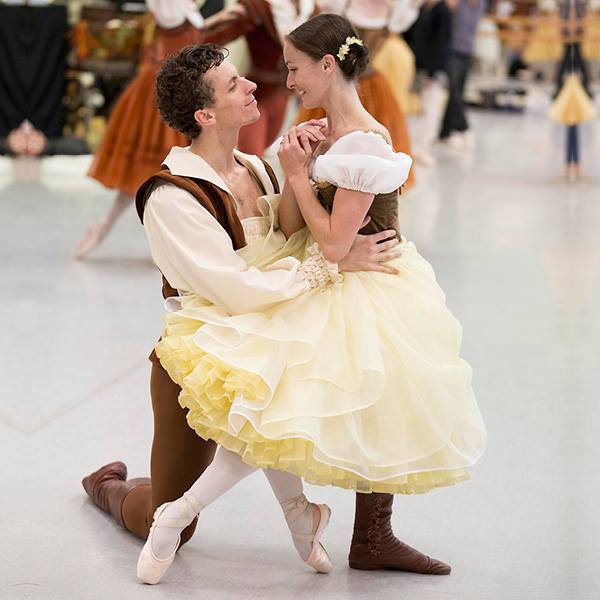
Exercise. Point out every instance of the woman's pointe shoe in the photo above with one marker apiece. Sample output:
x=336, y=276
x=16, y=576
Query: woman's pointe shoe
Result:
x=92, y=238
x=318, y=558
x=150, y=568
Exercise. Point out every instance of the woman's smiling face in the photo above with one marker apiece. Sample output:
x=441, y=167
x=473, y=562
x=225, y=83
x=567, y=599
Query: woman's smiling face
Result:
x=306, y=77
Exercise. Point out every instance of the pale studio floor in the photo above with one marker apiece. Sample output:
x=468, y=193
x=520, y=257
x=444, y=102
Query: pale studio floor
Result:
x=518, y=254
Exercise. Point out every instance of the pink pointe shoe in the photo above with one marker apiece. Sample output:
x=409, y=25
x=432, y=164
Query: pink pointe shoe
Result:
x=150, y=568
x=93, y=237
x=318, y=558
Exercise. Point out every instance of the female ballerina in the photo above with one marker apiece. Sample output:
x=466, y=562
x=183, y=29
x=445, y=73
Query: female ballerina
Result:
x=378, y=23
x=358, y=384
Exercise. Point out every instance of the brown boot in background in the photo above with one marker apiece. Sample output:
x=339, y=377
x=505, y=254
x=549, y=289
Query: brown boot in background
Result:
x=108, y=486
x=374, y=545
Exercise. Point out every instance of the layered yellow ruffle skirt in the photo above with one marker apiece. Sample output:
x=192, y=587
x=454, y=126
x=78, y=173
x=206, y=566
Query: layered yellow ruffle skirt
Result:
x=358, y=384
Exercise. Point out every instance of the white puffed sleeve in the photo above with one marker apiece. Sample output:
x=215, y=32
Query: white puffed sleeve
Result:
x=404, y=13
x=365, y=162
x=172, y=13
x=331, y=6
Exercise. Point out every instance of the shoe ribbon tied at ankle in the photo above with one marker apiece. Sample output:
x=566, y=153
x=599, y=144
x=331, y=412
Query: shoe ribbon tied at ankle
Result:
x=294, y=507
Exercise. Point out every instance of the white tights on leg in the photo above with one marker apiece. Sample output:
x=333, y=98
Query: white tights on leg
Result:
x=98, y=231
x=223, y=473
x=433, y=103
x=302, y=517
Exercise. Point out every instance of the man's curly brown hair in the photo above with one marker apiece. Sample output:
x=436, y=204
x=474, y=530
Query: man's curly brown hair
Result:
x=182, y=89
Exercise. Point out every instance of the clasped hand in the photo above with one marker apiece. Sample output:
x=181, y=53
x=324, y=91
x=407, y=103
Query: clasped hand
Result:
x=298, y=145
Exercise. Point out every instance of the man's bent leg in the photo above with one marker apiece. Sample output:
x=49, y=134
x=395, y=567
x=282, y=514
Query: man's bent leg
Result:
x=179, y=457
x=108, y=486
x=135, y=510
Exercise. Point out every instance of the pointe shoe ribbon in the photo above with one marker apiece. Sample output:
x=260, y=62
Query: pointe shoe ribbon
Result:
x=318, y=558
x=150, y=568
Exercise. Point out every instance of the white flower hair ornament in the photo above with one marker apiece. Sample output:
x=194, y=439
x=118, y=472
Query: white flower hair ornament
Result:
x=345, y=47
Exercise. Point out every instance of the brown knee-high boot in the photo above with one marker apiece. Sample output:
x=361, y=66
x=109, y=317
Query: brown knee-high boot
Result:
x=374, y=545
x=108, y=486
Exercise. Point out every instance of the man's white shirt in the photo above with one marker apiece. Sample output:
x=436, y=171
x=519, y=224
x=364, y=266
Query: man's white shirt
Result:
x=196, y=254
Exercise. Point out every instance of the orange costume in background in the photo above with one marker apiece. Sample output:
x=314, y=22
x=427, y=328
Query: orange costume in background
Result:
x=136, y=139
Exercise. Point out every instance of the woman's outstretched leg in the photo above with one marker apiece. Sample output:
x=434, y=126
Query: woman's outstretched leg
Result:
x=221, y=475
x=305, y=519
x=224, y=472
x=98, y=231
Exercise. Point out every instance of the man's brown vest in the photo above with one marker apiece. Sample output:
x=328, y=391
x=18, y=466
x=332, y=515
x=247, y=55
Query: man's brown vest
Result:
x=215, y=200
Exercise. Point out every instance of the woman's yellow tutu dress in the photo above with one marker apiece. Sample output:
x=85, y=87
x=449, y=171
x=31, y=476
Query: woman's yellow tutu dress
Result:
x=572, y=105
x=358, y=384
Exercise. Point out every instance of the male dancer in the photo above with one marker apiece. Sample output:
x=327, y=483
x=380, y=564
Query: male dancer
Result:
x=192, y=213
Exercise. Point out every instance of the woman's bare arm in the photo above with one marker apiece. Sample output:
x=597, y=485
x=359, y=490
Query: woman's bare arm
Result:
x=290, y=217
x=334, y=233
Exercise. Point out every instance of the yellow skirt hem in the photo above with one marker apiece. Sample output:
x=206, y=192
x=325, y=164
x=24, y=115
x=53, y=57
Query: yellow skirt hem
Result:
x=208, y=389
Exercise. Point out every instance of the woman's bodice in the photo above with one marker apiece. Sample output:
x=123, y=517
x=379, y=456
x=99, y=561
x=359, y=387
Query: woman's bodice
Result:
x=383, y=211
